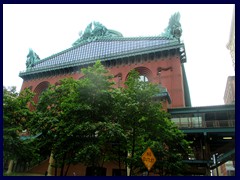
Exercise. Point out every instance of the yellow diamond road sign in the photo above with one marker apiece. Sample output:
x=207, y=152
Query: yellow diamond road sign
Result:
x=148, y=158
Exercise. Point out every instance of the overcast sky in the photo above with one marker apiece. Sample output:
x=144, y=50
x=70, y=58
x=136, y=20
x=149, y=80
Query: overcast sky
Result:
x=49, y=29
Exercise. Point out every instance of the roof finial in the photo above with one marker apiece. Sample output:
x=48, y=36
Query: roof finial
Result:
x=32, y=58
x=95, y=30
x=174, y=29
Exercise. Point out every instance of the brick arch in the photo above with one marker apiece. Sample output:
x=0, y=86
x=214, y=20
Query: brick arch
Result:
x=143, y=71
x=39, y=89
x=30, y=88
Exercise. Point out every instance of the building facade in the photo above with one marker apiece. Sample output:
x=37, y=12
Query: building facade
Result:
x=229, y=95
x=158, y=59
x=228, y=168
x=231, y=42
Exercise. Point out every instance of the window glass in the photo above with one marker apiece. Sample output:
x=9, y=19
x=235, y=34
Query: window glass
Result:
x=143, y=78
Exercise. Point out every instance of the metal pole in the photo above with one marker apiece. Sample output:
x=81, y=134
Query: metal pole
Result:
x=217, y=166
x=215, y=163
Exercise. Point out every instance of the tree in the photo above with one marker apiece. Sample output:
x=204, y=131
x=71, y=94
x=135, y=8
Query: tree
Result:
x=55, y=121
x=88, y=121
x=75, y=119
x=147, y=125
x=97, y=92
x=15, y=115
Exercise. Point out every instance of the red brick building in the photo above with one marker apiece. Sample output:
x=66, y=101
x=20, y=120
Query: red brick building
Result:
x=158, y=59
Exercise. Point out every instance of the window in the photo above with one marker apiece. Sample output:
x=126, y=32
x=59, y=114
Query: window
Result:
x=143, y=78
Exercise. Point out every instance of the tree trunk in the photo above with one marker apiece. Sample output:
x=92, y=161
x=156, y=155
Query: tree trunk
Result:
x=56, y=168
x=119, y=158
x=63, y=163
x=51, y=161
x=133, y=150
x=10, y=167
x=128, y=169
x=67, y=169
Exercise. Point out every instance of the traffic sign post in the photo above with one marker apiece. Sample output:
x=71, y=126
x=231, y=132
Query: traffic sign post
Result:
x=148, y=159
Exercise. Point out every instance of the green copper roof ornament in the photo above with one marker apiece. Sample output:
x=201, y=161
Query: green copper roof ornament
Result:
x=95, y=30
x=174, y=29
x=32, y=58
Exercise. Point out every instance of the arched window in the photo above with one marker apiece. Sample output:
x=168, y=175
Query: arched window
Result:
x=145, y=74
x=39, y=89
x=143, y=78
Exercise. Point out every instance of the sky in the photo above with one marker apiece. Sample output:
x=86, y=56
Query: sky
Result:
x=52, y=28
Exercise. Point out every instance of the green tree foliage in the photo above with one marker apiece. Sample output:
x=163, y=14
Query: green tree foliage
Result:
x=88, y=121
x=57, y=111
x=147, y=125
x=75, y=119
x=15, y=115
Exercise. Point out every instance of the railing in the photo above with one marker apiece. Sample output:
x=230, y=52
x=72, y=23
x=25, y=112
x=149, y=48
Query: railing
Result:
x=206, y=124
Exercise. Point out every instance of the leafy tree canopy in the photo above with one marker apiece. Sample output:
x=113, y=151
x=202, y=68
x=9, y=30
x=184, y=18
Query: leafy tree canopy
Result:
x=15, y=115
x=88, y=121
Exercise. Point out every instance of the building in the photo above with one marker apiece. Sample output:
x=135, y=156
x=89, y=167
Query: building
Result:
x=159, y=60
x=229, y=95
x=228, y=168
x=231, y=42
